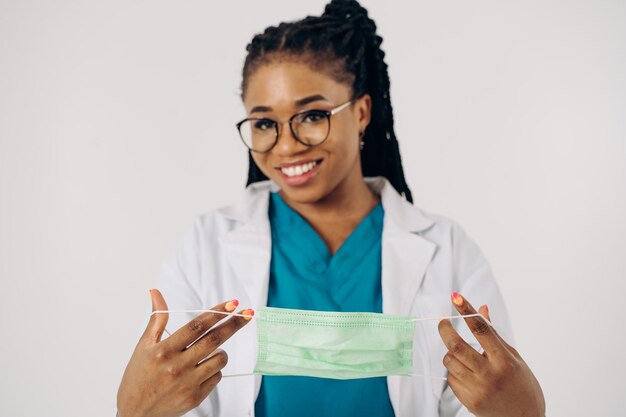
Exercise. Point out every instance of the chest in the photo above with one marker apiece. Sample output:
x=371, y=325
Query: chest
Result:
x=334, y=234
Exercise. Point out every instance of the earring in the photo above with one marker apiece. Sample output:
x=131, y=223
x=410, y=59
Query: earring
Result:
x=361, y=143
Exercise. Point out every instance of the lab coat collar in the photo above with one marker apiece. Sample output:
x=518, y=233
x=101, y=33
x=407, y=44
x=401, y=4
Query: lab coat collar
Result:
x=405, y=258
x=405, y=215
x=406, y=254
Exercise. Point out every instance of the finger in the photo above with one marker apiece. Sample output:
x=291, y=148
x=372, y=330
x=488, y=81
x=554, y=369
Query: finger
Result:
x=202, y=391
x=463, y=352
x=457, y=368
x=158, y=321
x=209, y=385
x=482, y=330
x=462, y=391
x=190, y=332
x=213, y=339
x=484, y=310
x=209, y=367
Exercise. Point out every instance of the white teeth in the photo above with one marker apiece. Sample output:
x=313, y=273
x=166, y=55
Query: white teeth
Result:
x=293, y=171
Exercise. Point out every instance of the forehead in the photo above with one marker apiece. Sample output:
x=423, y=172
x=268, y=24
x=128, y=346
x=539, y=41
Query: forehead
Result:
x=280, y=84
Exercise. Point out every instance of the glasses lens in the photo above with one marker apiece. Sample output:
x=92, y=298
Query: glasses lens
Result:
x=258, y=134
x=311, y=127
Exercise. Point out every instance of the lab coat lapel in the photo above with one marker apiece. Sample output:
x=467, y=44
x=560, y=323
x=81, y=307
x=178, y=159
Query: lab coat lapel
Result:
x=405, y=253
x=248, y=245
x=248, y=249
x=406, y=256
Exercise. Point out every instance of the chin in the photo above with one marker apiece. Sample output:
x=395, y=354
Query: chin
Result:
x=303, y=195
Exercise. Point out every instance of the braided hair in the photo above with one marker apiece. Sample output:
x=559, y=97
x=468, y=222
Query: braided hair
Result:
x=343, y=44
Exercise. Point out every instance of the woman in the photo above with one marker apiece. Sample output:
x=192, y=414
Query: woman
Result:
x=334, y=229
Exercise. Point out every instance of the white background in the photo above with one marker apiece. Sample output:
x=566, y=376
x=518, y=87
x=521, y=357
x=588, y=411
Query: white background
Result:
x=117, y=130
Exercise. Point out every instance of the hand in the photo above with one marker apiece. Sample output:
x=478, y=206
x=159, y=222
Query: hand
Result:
x=164, y=378
x=496, y=383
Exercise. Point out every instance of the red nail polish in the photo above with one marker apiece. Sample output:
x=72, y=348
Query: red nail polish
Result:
x=456, y=298
x=487, y=308
x=231, y=305
x=249, y=313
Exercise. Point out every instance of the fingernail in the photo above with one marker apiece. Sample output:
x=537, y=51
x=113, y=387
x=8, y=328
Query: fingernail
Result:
x=456, y=298
x=231, y=305
x=248, y=313
x=151, y=300
x=487, y=308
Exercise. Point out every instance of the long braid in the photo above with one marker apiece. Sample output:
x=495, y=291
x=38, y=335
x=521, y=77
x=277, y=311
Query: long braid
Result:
x=343, y=44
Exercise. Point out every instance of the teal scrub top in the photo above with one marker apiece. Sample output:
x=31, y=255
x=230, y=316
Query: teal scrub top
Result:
x=304, y=275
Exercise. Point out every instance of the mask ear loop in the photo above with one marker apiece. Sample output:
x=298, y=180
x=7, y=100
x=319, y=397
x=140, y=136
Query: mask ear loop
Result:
x=254, y=317
x=199, y=311
x=415, y=319
x=464, y=316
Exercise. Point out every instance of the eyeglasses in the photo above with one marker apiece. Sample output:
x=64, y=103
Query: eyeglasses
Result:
x=310, y=127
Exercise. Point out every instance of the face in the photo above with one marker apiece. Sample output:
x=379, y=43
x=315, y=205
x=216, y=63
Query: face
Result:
x=278, y=90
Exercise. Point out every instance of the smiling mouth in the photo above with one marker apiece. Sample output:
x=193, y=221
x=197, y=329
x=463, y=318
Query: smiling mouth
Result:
x=299, y=169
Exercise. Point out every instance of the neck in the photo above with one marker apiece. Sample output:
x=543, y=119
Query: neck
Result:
x=350, y=200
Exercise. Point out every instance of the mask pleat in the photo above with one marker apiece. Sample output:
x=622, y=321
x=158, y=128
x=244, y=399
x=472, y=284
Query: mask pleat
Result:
x=333, y=344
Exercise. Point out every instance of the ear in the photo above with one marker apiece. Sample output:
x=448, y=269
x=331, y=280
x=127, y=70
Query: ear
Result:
x=363, y=111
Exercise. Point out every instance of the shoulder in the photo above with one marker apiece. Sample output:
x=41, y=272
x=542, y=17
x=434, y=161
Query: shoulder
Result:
x=449, y=232
x=455, y=251
x=455, y=246
x=437, y=228
x=250, y=210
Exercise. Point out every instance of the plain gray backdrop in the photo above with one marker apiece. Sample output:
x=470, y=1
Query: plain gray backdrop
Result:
x=117, y=130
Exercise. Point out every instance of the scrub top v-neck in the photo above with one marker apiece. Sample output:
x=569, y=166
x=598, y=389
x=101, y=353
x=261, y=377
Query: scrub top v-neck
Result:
x=305, y=275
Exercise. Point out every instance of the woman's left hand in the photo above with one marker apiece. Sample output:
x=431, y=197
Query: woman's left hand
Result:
x=496, y=383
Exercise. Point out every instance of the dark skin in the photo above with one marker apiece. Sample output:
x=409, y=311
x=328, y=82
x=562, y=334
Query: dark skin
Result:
x=336, y=198
x=164, y=378
x=496, y=383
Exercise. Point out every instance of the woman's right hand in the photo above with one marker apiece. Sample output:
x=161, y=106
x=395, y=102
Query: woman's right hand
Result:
x=163, y=378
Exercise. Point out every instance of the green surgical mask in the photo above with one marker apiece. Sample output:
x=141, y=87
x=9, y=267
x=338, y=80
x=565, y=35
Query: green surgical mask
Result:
x=333, y=344
x=330, y=344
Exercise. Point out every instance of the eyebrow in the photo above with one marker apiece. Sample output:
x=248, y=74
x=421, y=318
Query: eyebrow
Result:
x=299, y=103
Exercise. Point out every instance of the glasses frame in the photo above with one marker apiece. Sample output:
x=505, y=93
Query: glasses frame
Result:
x=328, y=114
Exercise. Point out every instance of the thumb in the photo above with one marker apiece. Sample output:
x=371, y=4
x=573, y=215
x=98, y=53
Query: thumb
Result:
x=158, y=321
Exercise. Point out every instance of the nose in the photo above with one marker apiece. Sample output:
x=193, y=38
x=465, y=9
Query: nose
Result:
x=286, y=142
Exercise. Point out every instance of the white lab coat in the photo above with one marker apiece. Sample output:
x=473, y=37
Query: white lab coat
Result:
x=425, y=257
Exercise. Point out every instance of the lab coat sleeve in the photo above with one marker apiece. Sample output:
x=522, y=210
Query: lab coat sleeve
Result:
x=473, y=278
x=179, y=282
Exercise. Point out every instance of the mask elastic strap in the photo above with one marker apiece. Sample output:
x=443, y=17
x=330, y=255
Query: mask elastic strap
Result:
x=201, y=311
x=198, y=311
x=243, y=315
x=438, y=378
x=464, y=316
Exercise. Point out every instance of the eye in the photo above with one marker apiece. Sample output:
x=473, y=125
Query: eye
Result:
x=313, y=116
x=263, y=124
